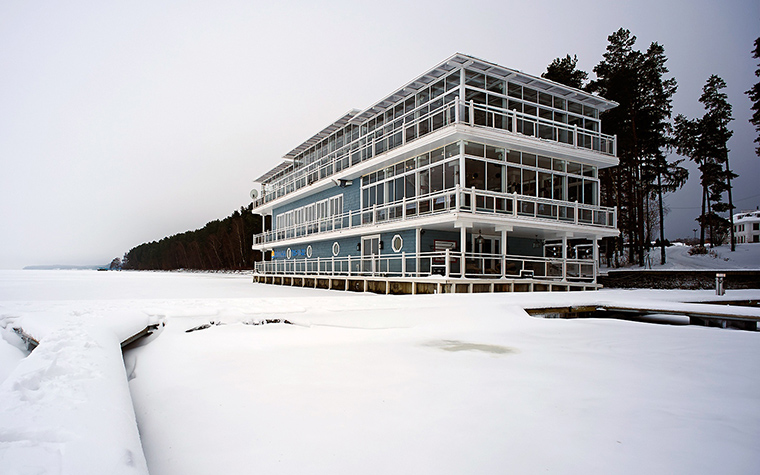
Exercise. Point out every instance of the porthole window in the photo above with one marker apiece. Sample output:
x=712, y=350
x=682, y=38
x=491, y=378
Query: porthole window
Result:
x=397, y=243
x=308, y=251
x=289, y=253
x=336, y=249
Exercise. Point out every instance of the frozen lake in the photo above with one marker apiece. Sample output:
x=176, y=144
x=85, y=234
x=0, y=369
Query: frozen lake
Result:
x=397, y=384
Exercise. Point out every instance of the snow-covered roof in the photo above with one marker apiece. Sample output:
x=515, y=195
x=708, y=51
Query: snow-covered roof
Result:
x=747, y=216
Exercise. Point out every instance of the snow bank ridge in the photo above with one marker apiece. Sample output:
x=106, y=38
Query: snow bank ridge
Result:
x=67, y=407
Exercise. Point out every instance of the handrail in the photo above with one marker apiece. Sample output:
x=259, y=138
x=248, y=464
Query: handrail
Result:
x=452, y=199
x=578, y=138
x=458, y=111
x=326, y=166
x=444, y=263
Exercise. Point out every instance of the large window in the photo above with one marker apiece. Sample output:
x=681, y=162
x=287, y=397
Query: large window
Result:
x=431, y=108
x=488, y=90
x=485, y=168
x=423, y=175
x=322, y=215
x=529, y=174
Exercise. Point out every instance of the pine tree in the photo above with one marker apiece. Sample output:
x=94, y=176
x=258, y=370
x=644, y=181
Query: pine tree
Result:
x=224, y=244
x=635, y=80
x=705, y=142
x=659, y=175
x=754, y=95
x=563, y=71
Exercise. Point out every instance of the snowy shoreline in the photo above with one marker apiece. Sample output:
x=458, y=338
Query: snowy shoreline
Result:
x=377, y=384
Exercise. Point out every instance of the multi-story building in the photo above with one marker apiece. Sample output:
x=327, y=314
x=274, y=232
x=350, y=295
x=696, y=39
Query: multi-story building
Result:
x=747, y=227
x=471, y=177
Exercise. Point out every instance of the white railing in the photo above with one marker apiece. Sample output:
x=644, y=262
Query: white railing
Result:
x=414, y=125
x=457, y=200
x=402, y=130
x=483, y=115
x=442, y=263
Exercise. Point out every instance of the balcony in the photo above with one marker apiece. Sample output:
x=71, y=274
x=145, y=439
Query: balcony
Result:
x=456, y=200
x=443, y=264
x=416, y=124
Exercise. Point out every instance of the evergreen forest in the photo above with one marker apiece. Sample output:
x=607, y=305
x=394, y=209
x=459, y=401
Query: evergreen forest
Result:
x=647, y=137
x=219, y=245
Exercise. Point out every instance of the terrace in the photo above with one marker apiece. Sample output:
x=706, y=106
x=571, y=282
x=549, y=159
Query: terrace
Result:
x=456, y=200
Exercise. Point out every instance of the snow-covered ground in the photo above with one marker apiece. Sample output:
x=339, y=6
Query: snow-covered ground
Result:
x=745, y=256
x=384, y=384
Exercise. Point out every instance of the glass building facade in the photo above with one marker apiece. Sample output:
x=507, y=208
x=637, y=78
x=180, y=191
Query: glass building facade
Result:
x=467, y=149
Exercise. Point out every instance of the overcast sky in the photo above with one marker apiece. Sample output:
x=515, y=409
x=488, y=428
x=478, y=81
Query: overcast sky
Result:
x=125, y=122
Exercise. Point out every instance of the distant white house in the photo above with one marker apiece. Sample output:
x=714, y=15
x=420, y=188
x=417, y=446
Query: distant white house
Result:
x=747, y=226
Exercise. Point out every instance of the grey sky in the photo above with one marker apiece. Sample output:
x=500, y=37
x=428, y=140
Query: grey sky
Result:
x=124, y=122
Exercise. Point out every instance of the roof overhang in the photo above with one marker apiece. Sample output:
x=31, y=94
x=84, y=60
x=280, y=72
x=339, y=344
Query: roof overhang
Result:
x=274, y=171
x=338, y=124
x=356, y=116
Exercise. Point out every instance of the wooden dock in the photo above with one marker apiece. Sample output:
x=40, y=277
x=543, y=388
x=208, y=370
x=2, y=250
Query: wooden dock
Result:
x=744, y=315
x=32, y=342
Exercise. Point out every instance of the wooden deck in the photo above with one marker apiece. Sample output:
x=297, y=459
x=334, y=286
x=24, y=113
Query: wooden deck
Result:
x=743, y=315
x=422, y=285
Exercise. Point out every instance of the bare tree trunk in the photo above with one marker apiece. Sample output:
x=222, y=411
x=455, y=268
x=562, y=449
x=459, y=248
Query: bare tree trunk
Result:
x=702, y=220
x=730, y=206
x=662, y=219
x=711, y=225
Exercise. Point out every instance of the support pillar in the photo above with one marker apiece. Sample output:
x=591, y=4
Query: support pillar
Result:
x=418, y=248
x=503, y=253
x=596, y=257
x=504, y=230
x=462, y=248
x=564, y=258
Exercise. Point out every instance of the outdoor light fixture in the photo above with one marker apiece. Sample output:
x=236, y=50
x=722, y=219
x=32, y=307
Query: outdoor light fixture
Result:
x=342, y=182
x=480, y=239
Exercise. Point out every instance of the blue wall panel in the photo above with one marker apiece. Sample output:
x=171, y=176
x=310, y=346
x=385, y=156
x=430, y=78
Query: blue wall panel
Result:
x=351, y=195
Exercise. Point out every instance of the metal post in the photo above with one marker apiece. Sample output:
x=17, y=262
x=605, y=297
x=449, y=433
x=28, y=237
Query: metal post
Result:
x=403, y=264
x=446, y=274
x=719, y=290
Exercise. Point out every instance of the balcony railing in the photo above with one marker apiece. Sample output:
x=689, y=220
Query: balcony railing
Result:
x=446, y=264
x=483, y=115
x=416, y=124
x=458, y=200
